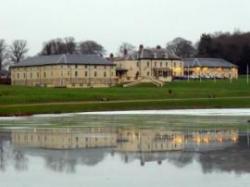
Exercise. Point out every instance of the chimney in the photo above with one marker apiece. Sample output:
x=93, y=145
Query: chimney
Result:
x=141, y=47
x=125, y=52
x=140, y=53
x=111, y=56
x=158, y=47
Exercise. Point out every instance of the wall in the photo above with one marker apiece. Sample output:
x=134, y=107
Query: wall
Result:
x=211, y=72
x=64, y=76
x=64, y=138
x=145, y=68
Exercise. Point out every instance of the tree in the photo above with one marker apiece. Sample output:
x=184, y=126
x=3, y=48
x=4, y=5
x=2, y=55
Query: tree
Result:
x=3, y=52
x=125, y=49
x=182, y=48
x=234, y=47
x=91, y=47
x=70, y=45
x=18, y=49
x=205, y=45
x=59, y=46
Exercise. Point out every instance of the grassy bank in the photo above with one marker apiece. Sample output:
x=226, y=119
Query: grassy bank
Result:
x=178, y=94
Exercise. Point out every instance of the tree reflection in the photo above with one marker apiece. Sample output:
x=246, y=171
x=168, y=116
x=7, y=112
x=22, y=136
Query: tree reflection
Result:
x=61, y=164
x=2, y=159
x=21, y=162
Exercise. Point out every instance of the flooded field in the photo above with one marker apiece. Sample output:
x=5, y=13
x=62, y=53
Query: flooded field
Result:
x=125, y=150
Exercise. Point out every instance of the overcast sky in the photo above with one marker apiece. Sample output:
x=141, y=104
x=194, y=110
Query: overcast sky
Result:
x=111, y=22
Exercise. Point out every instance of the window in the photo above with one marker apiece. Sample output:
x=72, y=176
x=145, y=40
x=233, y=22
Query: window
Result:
x=18, y=75
x=148, y=73
x=161, y=64
x=138, y=64
x=76, y=73
x=148, y=64
x=76, y=66
x=95, y=67
x=86, y=73
x=86, y=66
x=95, y=74
x=31, y=75
x=155, y=64
x=37, y=74
x=24, y=75
x=105, y=74
x=44, y=74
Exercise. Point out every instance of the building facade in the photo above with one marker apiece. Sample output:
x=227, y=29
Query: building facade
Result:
x=148, y=64
x=64, y=138
x=64, y=71
x=124, y=139
x=210, y=68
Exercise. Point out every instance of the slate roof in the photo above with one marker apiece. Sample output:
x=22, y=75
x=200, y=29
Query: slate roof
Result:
x=73, y=59
x=4, y=73
x=150, y=53
x=207, y=62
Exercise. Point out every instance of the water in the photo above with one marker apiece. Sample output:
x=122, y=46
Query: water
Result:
x=125, y=150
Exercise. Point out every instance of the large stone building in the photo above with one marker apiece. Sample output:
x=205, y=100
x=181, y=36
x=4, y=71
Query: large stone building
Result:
x=124, y=139
x=64, y=71
x=64, y=138
x=155, y=65
x=210, y=68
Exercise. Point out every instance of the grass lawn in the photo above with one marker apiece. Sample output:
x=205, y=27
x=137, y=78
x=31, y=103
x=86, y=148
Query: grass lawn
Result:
x=179, y=94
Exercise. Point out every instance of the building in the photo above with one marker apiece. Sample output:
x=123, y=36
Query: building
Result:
x=71, y=70
x=63, y=138
x=4, y=77
x=149, y=140
x=155, y=65
x=124, y=139
x=210, y=68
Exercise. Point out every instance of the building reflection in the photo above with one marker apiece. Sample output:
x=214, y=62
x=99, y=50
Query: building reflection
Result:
x=65, y=138
x=124, y=139
x=65, y=148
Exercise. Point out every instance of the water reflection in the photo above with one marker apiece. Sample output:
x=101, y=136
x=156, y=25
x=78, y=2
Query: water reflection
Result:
x=66, y=148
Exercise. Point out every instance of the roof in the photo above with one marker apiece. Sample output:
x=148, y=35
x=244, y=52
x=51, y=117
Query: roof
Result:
x=74, y=59
x=4, y=73
x=207, y=62
x=150, y=53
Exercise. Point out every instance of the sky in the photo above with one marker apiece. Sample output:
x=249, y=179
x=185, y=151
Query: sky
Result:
x=111, y=22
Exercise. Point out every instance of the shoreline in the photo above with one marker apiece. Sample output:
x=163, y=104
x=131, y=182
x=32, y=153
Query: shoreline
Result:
x=205, y=112
x=132, y=105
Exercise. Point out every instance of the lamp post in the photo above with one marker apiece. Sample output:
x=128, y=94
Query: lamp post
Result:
x=247, y=74
x=200, y=74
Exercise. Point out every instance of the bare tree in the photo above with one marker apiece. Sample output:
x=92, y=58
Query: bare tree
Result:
x=70, y=45
x=91, y=47
x=59, y=46
x=182, y=47
x=18, y=49
x=3, y=52
x=126, y=48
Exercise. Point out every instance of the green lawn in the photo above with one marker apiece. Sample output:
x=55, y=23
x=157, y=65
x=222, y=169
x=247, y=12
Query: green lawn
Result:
x=17, y=100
